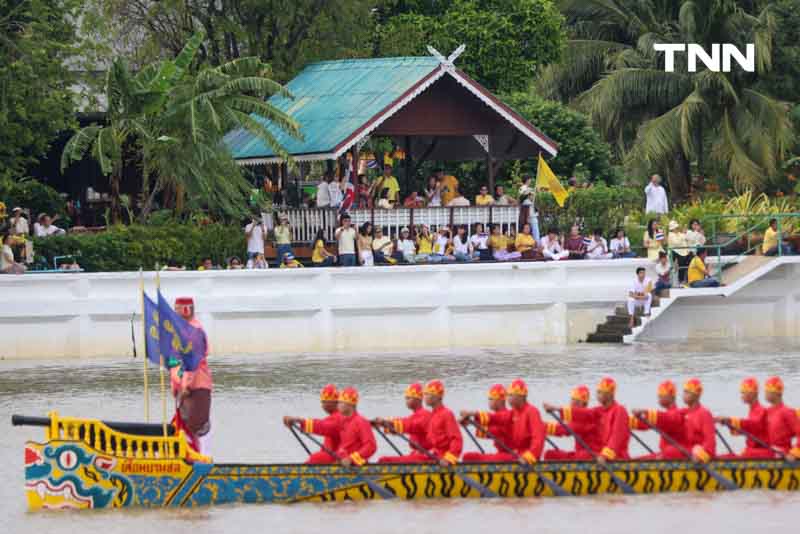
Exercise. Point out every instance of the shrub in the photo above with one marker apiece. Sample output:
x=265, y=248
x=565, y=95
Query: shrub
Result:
x=127, y=248
x=599, y=206
x=34, y=195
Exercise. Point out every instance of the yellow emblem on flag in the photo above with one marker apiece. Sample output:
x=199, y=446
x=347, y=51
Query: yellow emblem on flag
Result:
x=548, y=181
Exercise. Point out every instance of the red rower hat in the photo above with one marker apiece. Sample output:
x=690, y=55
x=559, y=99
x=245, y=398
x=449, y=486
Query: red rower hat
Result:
x=414, y=391
x=329, y=393
x=580, y=393
x=435, y=387
x=607, y=385
x=518, y=387
x=497, y=392
x=693, y=385
x=749, y=385
x=774, y=384
x=349, y=395
x=184, y=301
x=666, y=388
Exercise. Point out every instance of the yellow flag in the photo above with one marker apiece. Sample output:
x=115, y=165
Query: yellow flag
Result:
x=547, y=180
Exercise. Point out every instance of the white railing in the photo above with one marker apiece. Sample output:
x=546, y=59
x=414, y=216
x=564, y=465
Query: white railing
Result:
x=305, y=223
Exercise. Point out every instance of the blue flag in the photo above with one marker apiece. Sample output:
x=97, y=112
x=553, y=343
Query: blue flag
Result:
x=177, y=339
x=152, y=349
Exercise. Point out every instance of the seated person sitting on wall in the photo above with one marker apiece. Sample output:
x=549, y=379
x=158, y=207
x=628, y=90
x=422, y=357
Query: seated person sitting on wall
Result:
x=640, y=294
x=406, y=249
x=289, y=262
x=699, y=274
x=575, y=244
x=551, y=246
x=382, y=248
x=770, y=245
x=499, y=243
x=664, y=272
x=597, y=247
x=525, y=243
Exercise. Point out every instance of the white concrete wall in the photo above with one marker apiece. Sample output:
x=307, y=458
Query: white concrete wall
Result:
x=766, y=308
x=315, y=310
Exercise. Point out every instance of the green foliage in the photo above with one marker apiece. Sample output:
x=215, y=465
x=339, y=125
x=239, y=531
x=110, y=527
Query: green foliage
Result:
x=599, y=206
x=36, y=102
x=578, y=142
x=33, y=195
x=127, y=248
x=506, y=41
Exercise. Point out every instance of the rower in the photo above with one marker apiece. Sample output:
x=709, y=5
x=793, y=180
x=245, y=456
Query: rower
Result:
x=444, y=435
x=610, y=415
x=500, y=429
x=358, y=441
x=328, y=427
x=668, y=420
x=782, y=421
x=194, y=392
x=415, y=425
x=701, y=439
x=589, y=430
x=755, y=424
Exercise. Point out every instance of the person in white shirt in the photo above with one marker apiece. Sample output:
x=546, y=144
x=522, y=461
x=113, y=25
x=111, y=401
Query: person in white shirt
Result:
x=44, y=226
x=335, y=192
x=501, y=199
x=597, y=249
x=7, y=263
x=620, y=246
x=480, y=243
x=346, y=240
x=460, y=201
x=462, y=246
x=406, y=248
x=324, y=192
x=695, y=237
x=382, y=247
x=640, y=294
x=656, y=196
x=551, y=246
x=440, y=245
x=18, y=223
x=527, y=197
x=257, y=262
x=255, y=232
x=433, y=193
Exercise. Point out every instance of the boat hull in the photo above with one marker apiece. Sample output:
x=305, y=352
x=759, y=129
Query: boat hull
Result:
x=71, y=474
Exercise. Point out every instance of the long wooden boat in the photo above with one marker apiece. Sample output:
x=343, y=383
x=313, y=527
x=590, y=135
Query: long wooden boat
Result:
x=86, y=463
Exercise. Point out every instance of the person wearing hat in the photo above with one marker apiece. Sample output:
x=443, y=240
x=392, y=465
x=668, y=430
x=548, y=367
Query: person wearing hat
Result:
x=283, y=236
x=668, y=420
x=681, y=252
x=18, y=223
x=289, y=262
x=43, y=226
x=444, y=434
x=527, y=429
x=194, y=396
x=589, y=430
x=610, y=415
x=329, y=427
x=501, y=429
x=701, y=438
x=754, y=424
x=406, y=248
x=415, y=425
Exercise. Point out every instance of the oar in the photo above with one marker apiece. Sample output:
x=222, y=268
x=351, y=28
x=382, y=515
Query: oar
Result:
x=474, y=440
x=377, y=427
x=302, y=443
x=726, y=483
x=579, y=440
x=641, y=442
x=477, y=486
x=552, y=484
x=551, y=443
x=757, y=440
x=377, y=488
x=724, y=441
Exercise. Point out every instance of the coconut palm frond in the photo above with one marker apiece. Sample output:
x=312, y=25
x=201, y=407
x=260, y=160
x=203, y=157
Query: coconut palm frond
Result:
x=773, y=119
x=582, y=64
x=728, y=148
x=658, y=140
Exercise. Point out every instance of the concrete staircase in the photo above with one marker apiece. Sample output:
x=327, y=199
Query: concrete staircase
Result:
x=743, y=268
x=617, y=326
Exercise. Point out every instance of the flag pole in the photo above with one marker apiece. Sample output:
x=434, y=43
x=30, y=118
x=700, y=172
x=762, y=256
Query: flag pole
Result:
x=161, y=370
x=144, y=329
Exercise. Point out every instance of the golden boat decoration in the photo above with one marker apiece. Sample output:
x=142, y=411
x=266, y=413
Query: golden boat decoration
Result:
x=87, y=463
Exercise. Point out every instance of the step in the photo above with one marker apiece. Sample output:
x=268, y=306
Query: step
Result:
x=743, y=268
x=623, y=319
x=604, y=338
x=614, y=328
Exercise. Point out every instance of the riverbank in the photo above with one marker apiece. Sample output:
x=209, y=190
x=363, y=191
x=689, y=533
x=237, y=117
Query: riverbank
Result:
x=89, y=315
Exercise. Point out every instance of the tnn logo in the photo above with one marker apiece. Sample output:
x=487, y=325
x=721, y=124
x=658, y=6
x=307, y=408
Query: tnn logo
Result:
x=719, y=60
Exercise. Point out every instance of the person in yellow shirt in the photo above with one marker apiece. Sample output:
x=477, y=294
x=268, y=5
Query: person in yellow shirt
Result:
x=699, y=275
x=424, y=243
x=449, y=189
x=290, y=263
x=770, y=245
x=484, y=198
x=499, y=245
x=389, y=183
x=320, y=256
x=525, y=243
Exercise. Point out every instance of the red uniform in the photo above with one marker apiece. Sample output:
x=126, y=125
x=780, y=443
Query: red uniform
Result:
x=443, y=436
x=526, y=436
x=700, y=435
x=501, y=429
x=613, y=421
x=782, y=425
x=671, y=423
x=755, y=424
x=330, y=428
x=416, y=426
x=588, y=430
x=357, y=439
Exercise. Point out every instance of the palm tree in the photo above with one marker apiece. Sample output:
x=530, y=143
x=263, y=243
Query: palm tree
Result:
x=177, y=116
x=667, y=120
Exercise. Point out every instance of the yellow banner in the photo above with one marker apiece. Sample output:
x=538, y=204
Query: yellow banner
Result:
x=546, y=180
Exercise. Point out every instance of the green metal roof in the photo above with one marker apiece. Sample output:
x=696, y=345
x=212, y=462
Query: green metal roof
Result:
x=332, y=99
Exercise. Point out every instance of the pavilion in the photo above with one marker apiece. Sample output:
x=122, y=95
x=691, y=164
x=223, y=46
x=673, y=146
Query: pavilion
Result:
x=426, y=105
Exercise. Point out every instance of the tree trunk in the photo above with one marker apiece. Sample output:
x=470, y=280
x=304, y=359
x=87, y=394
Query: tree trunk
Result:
x=678, y=178
x=116, y=211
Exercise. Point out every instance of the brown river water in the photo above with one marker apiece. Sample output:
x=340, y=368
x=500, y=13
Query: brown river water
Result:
x=252, y=393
